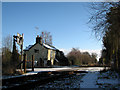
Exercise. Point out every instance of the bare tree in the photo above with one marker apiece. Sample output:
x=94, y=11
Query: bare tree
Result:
x=79, y=58
x=106, y=25
x=46, y=37
x=9, y=64
x=74, y=56
x=98, y=17
x=94, y=57
x=7, y=42
x=6, y=54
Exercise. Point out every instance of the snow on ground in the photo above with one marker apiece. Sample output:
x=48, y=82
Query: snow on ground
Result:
x=65, y=68
x=80, y=80
x=92, y=69
x=36, y=70
x=96, y=79
x=109, y=79
x=89, y=80
x=92, y=79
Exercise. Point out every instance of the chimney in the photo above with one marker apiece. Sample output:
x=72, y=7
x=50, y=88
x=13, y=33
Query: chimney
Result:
x=38, y=39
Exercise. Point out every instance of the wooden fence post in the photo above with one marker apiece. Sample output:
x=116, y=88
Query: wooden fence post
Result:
x=32, y=62
x=25, y=59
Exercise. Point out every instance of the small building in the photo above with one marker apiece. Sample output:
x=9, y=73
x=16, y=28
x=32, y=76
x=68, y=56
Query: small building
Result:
x=44, y=54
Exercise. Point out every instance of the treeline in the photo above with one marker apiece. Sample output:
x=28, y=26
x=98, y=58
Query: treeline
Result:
x=75, y=57
x=10, y=60
x=107, y=17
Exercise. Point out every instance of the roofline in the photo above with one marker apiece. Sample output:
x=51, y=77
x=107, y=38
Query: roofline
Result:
x=30, y=47
x=41, y=45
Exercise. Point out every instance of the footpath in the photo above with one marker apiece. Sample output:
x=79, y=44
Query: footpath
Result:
x=89, y=80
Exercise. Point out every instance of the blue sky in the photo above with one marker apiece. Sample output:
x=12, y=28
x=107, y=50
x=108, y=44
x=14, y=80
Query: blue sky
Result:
x=67, y=23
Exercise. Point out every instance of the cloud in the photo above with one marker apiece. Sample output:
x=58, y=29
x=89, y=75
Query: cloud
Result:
x=97, y=51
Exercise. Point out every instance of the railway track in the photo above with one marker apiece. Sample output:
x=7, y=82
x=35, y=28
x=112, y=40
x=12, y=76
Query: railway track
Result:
x=30, y=81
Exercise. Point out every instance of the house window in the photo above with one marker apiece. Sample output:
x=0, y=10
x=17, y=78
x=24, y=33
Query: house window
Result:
x=36, y=50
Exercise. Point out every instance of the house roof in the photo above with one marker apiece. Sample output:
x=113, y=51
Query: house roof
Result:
x=44, y=45
x=49, y=46
x=27, y=48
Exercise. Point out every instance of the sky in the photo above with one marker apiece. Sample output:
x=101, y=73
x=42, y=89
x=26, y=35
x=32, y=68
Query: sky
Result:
x=66, y=22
